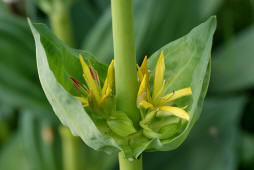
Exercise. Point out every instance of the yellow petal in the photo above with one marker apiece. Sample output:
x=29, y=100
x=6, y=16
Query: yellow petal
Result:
x=143, y=70
x=140, y=74
x=111, y=74
x=143, y=67
x=107, y=94
x=142, y=92
x=88, y=78
x=175, y=95
x=173, y=110
x=105, y=86
x=159, y=75
x=83, y=100
x=156, y=98
x=145, y=105
x=109, y=82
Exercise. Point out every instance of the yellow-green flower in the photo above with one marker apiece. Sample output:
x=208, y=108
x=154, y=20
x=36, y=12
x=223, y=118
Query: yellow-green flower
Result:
x=93, y=93
x=157, y=100
x=160, y=117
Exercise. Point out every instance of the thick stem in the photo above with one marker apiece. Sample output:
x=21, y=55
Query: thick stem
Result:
x=61, y=23
x=125, y=164
x=125, y=58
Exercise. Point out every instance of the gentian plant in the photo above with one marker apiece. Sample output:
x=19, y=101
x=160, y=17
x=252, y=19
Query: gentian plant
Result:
x=123, y=107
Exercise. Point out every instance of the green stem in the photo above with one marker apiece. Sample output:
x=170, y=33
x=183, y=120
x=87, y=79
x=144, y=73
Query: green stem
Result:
x=71, y=146
x=125, y=58
x=129, y=165
x=61, y=23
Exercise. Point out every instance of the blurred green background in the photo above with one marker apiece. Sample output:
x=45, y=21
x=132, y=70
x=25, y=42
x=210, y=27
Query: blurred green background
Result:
x=32, y=138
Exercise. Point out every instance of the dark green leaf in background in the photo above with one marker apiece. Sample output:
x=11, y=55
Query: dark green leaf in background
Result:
x=247, y=150
x=14, y=150
x=233, y=64
x=41, y=142
x=156, y=24
x=19, y=85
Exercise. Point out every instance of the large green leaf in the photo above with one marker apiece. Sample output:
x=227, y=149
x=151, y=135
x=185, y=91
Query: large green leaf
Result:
x=233, y=64
x=12, y=151
x=2, y=8
x=247, y=150
x=40, y=141
x=56, y=63
x=89, y=12
x=187, y=65
x=213, y=142
x=7, y=115
x=19, y=85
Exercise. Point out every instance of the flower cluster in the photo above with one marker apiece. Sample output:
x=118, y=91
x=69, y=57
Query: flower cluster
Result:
x=160, y=118
x=92, y=95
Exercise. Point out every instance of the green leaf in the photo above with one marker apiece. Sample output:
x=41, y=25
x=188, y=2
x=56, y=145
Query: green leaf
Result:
x=233, y=64
x=19, y=85
x=2, y=8
x=247, y=150
x=90, y=15
x=41, y=143
x=162, y=128
x=51, y=6
x=63, y=60
x=56, y=63
x=30, y=136
x=120, y=123
x=12, y=151
x=187, y=65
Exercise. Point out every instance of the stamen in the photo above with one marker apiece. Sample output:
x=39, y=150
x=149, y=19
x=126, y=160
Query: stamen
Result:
x=75, y=81
x=97, y=78
x=77, y=84
x=77, y=88
x=92, y=72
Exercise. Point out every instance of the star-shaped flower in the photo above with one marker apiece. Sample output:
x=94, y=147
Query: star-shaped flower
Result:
x=160, y=109
x=93, y=94
x=157, y=100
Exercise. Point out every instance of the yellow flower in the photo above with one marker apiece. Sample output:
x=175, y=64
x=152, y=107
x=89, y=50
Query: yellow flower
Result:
x=157, y=100
x=93, y=92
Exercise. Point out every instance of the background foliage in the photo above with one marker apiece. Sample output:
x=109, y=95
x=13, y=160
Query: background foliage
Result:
x=221, y=140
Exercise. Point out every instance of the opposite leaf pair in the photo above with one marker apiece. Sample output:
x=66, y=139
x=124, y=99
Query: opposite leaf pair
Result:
x=165, y=119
